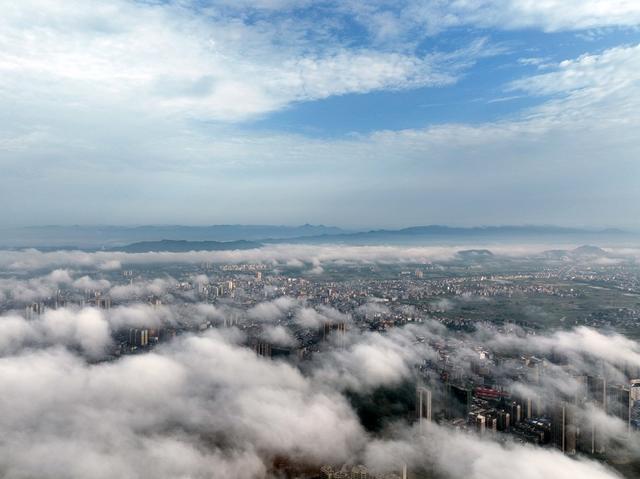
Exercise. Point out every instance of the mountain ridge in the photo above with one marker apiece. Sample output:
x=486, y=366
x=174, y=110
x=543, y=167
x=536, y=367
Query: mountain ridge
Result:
x=113, y=238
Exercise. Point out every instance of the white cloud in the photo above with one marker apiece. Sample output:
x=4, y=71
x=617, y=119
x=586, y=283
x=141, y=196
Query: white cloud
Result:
x=203, y=405
x=200, y=408
x=314, y=318
x=582, y=343
x=86, y=329
x=274, y=255
x=549, y=15
x=93, y=93
x=278, y=335
x=139, y=289
x=462, y=455
x=584, y=133
x=16, y=289
x=140, y=315
x=386, y=18
x=272, y=310
x=614, y=68
x=168, y=60
x=88, y=283
x=363, y=362
x=281, y=254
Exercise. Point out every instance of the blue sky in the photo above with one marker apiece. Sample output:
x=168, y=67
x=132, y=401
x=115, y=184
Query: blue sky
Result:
x=352, y=113
x=480, y=94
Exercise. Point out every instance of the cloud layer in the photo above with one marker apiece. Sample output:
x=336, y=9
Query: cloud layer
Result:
x=205, y=406
x=168, y=91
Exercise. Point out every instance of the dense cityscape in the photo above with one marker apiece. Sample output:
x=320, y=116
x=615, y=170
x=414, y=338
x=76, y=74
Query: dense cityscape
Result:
x=488, y=345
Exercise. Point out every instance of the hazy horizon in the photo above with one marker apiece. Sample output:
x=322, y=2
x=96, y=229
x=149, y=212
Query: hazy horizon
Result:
x=345, y=227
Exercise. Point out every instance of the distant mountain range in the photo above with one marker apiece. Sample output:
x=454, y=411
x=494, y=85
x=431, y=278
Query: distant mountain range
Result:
x=582, y=252
x=438, y=233
x=106, y=236
x=177, y=246
x=221, y=237
x=414, y=235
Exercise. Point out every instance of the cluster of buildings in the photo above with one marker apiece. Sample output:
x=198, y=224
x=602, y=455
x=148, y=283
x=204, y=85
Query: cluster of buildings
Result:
x=474, y=393
x=357, y=472
x=568, y=421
